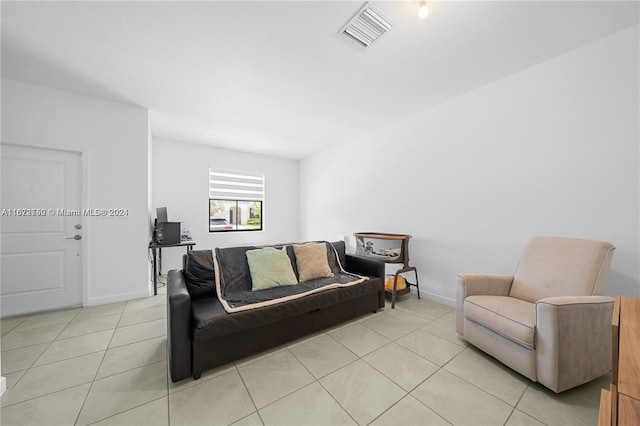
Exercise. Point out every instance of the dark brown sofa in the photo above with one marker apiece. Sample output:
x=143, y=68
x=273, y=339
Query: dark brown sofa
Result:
x=202, y=335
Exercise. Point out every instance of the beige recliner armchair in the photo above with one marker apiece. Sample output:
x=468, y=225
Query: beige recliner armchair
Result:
x=549, y=321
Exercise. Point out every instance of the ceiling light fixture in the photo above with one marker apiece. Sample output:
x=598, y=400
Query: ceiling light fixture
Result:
x=423, y=10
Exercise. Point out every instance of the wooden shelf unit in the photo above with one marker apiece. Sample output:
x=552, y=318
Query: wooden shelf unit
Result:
x=620, y=406
x=402, y=257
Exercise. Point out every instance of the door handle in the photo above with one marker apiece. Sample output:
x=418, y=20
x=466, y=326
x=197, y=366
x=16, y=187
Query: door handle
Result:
x=75, y=237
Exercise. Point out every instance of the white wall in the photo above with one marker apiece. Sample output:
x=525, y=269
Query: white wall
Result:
x=181, y=183
x=552, y=150
x=113, y=139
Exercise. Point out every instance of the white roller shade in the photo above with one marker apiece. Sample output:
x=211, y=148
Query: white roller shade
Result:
x=230, y=185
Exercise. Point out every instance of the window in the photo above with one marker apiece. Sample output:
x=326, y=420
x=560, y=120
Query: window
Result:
x=235, y=200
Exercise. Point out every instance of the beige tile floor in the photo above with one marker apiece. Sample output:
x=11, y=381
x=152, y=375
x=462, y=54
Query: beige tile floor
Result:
x=107, y=365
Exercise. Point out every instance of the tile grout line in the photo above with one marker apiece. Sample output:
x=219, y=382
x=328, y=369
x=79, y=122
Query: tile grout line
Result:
x=358, y=323
x=480, y=389
x=520, y=399
x=46, y=394
x=32, y=367
x=125, y=411
x=28, y=317
x=398, y=384
x=391, y=341
x=67, y=359
x=315, y=380
x=394, y=339
x=100, y=366
x=12, y=328
x=120, y=412
x=336, y=401
x=402, y=399
x=484, y=391
x=349, y=350
x=516, y=405
x=97, y=370
x=184, y=386
x=407, y=312
x=292, y=392
x=246, y=388
x=424, y=331
x=434, y=373
x=138, y=324
x=290, y=349
x=362, y=358
x=128, y=370
x=39, y=356
x=136, y=310
x=407, y=393
x=85, y=333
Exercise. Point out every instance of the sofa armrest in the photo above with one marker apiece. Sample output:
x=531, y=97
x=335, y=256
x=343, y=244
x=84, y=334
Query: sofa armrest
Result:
x=573, y=340
x=179, y=319
x=478, y=284
x=365, y=266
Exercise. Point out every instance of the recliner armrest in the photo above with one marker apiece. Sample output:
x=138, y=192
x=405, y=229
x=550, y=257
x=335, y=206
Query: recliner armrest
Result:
x=478, y=284
x=574, y=300
x=179, y=318
x=573, y=340
x=365, y=266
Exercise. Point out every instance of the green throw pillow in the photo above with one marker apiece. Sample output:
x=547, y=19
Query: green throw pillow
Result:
x=270, y=267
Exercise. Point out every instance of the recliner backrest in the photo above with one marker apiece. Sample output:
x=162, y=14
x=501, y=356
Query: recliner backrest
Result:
x=556, y=266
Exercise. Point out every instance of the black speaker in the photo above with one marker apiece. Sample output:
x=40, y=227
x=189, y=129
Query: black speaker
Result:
x=168, y=233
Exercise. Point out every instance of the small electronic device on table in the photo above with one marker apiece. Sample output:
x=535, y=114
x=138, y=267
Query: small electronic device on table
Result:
x=391, y=248
x=166, y=234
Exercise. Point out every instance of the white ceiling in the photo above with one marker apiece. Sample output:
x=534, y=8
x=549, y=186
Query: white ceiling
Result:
x=276, y=77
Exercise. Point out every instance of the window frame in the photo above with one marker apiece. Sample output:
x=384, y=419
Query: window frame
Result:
x=239, y=187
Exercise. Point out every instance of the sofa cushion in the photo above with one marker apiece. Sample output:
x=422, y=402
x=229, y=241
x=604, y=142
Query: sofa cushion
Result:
x=311, y=260
x=233, y=279
x=232, y=266
x=198, y=273
x=341, y=250
x=270, y=267
x=211, y=320
x=512, y=318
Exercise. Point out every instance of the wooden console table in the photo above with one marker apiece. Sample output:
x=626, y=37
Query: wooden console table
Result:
x=400, y=257
x=620, y=406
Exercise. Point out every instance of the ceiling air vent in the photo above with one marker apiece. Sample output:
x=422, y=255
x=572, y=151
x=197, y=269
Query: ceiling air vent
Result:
x=366, y=26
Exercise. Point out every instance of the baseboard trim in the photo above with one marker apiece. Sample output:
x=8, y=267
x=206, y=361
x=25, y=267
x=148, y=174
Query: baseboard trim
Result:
x=437, y=298
x=122, y=297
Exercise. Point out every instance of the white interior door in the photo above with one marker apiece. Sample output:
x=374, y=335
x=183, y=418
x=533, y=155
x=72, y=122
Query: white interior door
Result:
x=41, y=262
